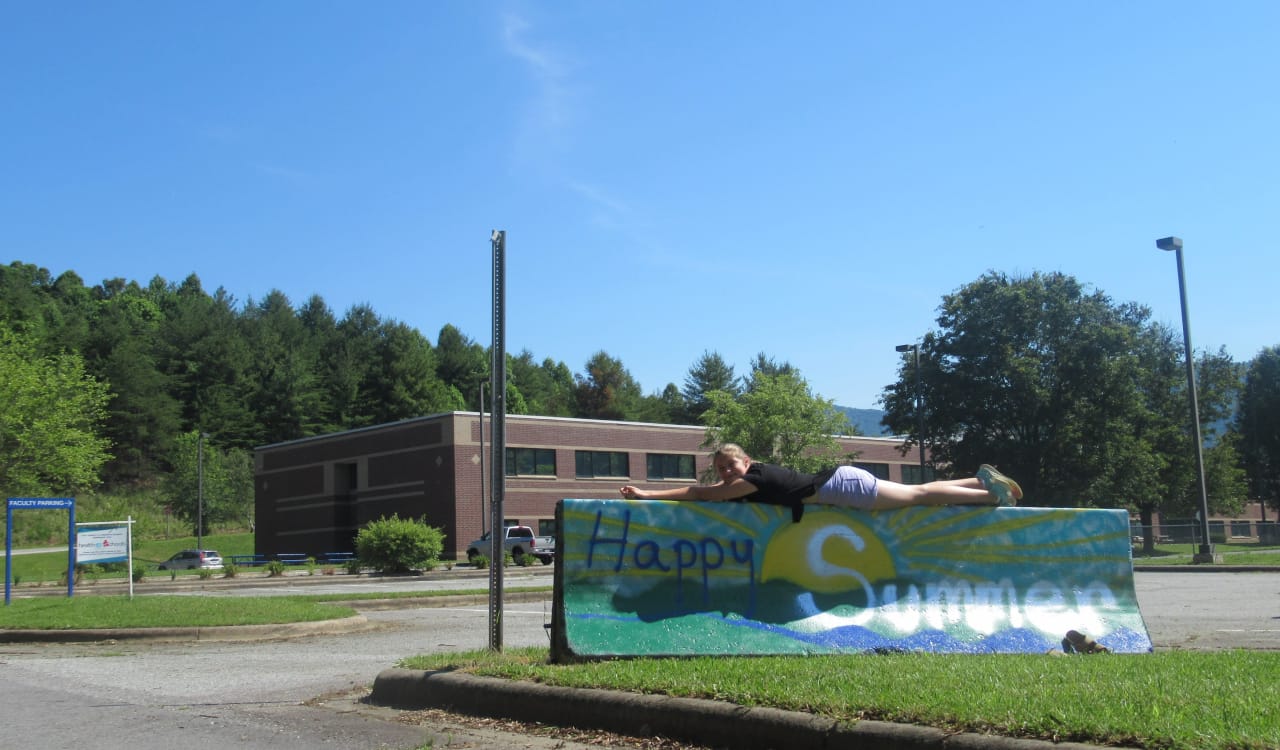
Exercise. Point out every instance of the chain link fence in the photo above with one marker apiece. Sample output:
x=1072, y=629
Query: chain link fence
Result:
x=1188, y=531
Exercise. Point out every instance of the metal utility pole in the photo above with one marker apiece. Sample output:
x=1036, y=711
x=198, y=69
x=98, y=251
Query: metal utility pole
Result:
x=497, y=437
x=200, y=491
x=915, y=353
x=482, y=495
x=1205, y=553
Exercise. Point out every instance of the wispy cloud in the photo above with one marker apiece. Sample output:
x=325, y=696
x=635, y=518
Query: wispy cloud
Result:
x=608, y=210
x=551, y=109
x=548, y=129
x=284, y=174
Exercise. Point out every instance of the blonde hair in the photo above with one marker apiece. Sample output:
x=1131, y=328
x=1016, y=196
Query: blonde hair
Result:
x=729, y=451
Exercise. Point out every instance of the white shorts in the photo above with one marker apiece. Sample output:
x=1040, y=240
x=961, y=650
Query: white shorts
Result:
x=849, y=487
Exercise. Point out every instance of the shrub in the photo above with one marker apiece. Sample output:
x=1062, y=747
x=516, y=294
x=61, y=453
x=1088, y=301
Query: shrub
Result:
x=229, y=570
x=205, y=573
x=480, y=561
x=311, y=566
x=139, y=571
x=354, y=566
x=275, y=568
x=525, y=559
x=395, y=545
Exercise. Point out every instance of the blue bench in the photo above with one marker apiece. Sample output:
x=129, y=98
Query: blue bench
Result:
x=247, y=561
x=293, y=558
x=337, y=558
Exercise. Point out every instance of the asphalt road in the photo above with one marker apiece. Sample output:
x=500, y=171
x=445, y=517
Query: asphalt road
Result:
x=298, y=694
x=1210, y=611
x=301, y=693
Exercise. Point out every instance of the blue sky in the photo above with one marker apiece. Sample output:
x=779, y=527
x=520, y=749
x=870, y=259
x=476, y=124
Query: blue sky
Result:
x=806, y=180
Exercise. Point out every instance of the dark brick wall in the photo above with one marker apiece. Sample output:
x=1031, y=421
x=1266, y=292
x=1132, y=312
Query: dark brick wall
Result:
x=435, y=468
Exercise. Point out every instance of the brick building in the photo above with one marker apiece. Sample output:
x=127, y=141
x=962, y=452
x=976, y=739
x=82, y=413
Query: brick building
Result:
x=312, y=495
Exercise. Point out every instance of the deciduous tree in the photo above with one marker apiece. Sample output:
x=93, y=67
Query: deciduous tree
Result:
x=1081, y=399
x=51, y=420
x=779, y=420
x=1259, y=425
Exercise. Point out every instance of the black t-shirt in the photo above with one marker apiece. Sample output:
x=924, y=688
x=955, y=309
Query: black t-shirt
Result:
x=778, y=485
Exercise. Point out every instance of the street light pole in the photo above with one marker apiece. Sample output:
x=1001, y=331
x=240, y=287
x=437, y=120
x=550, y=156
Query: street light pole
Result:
x=1205, y=553
x=200, y=490
x=915, y=353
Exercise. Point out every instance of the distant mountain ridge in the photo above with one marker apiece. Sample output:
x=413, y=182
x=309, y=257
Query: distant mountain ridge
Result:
x=866, y=420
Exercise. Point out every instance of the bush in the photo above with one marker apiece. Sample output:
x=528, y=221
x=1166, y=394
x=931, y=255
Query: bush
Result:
x=139, y=571
x=395, y=545
x=354, y=566
x=480, y=561
x=229, y=570
x=275, y=568
x=525, y=559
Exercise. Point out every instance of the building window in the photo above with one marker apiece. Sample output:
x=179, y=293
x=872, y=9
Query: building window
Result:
x=911, y=474
x=668, y=466
x=537, y=462
x=588, y=464
x=879, y=471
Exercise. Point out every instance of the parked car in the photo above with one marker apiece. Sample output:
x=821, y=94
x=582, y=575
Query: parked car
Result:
x=188, y=559
x=520, y=540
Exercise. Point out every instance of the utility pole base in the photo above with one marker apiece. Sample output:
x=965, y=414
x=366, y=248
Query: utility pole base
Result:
x=1207, y=558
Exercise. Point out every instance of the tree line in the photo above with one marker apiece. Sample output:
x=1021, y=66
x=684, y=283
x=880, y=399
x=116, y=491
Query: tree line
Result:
x=112, y=385
x=1083, y=399
x=1086, y=401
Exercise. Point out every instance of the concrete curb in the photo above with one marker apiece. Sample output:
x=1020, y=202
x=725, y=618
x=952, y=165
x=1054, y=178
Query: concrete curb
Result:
x=706, y=722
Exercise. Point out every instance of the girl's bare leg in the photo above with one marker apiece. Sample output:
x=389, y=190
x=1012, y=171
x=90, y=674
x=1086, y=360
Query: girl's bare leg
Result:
x=967, y=491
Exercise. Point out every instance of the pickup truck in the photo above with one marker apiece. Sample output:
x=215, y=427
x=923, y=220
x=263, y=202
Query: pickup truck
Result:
x=520, y=540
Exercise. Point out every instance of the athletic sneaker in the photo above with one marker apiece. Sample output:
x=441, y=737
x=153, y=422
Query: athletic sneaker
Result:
x=1007, y=491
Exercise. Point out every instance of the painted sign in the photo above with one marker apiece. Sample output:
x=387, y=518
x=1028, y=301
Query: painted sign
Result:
x=102, y=545
x=669, y=578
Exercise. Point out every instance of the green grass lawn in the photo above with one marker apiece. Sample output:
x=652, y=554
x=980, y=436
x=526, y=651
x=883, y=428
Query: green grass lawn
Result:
x=157, y=611
x=1164, y=701
x=49, y=567
x=1249, y=553
x=69, y=613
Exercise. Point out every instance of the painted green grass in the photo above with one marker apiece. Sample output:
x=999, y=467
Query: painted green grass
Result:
x=69, y=613
x=1162, y=701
